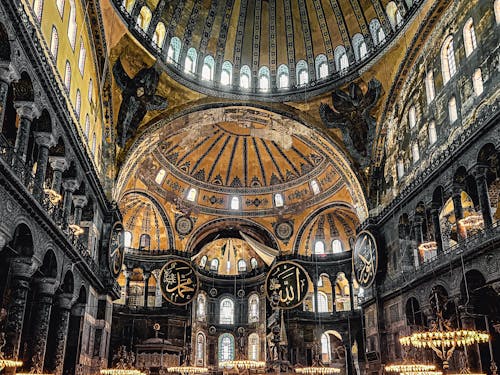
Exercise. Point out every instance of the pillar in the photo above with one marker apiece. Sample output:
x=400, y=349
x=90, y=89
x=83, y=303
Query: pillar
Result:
x=315, y=299
x=437, y=229
x=419, y=237
x=484, y=199
x=73, y=343
x=79, y=201
x=147, y=275
x=19, y=287
x=8, y=74
x=27, y=111
x=59, y=165
x=44, y=140
x=127, y=274
x=64, y=310
x=458, y=209
x=40, y=324
x=69, y=186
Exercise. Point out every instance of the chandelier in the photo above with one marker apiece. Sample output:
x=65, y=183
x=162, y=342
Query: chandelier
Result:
x=54, y=196
x=409, y=367
x=187, y=369
x=7, y=363
x=243, y=364
x=445, y=339
x=317, y=370
x=124, y=364
x=121, y=371
x=77, y=230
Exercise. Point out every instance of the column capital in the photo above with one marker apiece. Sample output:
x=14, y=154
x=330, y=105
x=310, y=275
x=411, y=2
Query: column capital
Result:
x=456, y=189
x=44, y=139
x=146, y=275
x=127, y=273
x=64, y=301
x=28, y=110
x=58, y=163
x=79, y=201
x=479, y=171
x=70, y=184
x=46, y=285
x=23, y=267
x=8, y=72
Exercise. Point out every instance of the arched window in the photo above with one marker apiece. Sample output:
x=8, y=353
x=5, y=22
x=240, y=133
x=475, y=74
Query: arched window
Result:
x=412, y=117
x=144, y=18
x=319, y=247
x=448, y=66
x=136, y=295
x=278, y=200
x=400, y=169
x=190, y=62
x=321, y=66
x=393, y=14
x=253, y=263
x=341, y=60
x=207, y=71
x=38, y=8
x=322, y=302
x=91, y=90
x=93, y=143
x=226, y=347
x=200, y=349
x=325, y=348
x=203, y=261
x=235, y=203
x=242, y=266
x=253, y=308
x=432, y=133
x=78, y=103
x=159, y=34
x=191, y=195
x=127, y=240
x=452, y=110
x=283, y=77
x=477, y=82
x=245, y=74
x=470, y=42
x=337, y=246
x=54, y=43
x=414, y=315
x=87, y=126
x=497, y=11
x=302, y=73
x=214, y=265
x=415, y=153
x=429, y=86
x=201, y=308
x=253, y=347
x=72, y=24
x=264, y=78
x=160, y=176
x=60, y=7
x=315, y=187
x=144, y=242
x=174, y=49
x=129, y=5
x=226, y=75
x=226, y=311
x=67, y=76
x=359, y=46
x=81, y=57
x=377, y=32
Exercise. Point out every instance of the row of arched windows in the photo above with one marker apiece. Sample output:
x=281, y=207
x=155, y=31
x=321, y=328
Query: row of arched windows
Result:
x=144, y=240
x=214, y=264
x=226, y=309
x=336, y=247
x=226, y=348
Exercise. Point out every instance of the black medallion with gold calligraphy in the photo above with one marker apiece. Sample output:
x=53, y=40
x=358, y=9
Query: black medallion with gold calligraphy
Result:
x=116, y=251
x=178, y=282
x=287, y=284
x=365, y=259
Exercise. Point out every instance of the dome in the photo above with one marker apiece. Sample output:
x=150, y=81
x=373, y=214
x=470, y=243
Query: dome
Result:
x=253, y=48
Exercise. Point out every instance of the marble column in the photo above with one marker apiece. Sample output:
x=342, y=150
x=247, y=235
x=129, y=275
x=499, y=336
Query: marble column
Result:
x=69, y=186
x=8, y=74
x=79, y=201
x=59, y=165
x=459, y=210
x=484, y=199
x=147, y=275
x=64, y=311
x=419, y=237
x=27, y=111
x=40, y=324
x=73, y=343
x=19, y=286
x=436, y=223
x=127, y=274
x=44, y=140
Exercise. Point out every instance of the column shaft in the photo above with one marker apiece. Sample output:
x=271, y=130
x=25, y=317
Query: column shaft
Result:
x=459, y=213
x=4, y=89
x=15, y=317
x=41, y=168
x=40, y=330
x=62, y=335
x=22, y=139
x=146, y=289
x=437, y=230
x=484, y=199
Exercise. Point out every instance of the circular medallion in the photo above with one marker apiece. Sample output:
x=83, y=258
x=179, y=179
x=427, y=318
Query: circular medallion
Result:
x=212, y=330
x=241, y=293
x=178, y=282
x=365, y=259
x=213, y=292
x=287, y=284
x=284, y=230
x=183, y=225
x=116, y=251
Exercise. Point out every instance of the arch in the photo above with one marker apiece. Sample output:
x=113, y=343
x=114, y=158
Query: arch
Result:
x=341, y=60
x=203, y=261
x=283, y=77
x=67, y=76
x=394, y=15
x=470, y=42
x=93, y=144
x=81, y=57
x=226, y=347
x=201, y=307
x=208, y=68
x=264, y=78
x=159, y=34
x=160, y=176
x=253, y=347
x=254, y=264
x=144, y=242
x=477, y=82
x=448, y=65
x=412, y=117
x=174, y=49
x=78, y=103
x=432, y=133
x=226, y=313
x=72, y=26
x=60, y=6
x=214, y=265
x=302, y=73
x=5, y=44
x=322, y=302
x=278, y=200
x=415, y=152
x=90, y=90
x=342, y=293
x=68, y=284
x=253, y=308
x=414, y=315
x=337, y=246
x=38, y=9
x=430, y=90
x=245, y=74
x=321, y=63
x=82, y=295
x=242, y=265
x=200, y=349
x=235, y=203
x=49, y=265
x=226, y=76
x=325, y=348
x=377, y=32
x=128, y=5
x=496, y=7
x=359, y=46
x=144, y=18
x=127, y=239
x=452, y=110
x=22, y=241
x=190, y=61
x=87, y=126
x=54, y=43
x=319, y=247
x=192, y=194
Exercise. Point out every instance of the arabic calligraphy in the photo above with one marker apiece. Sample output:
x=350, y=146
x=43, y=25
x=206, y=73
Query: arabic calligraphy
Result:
x=290, y=282
x=116, y=250
x=178, y=282
x=365, y=259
